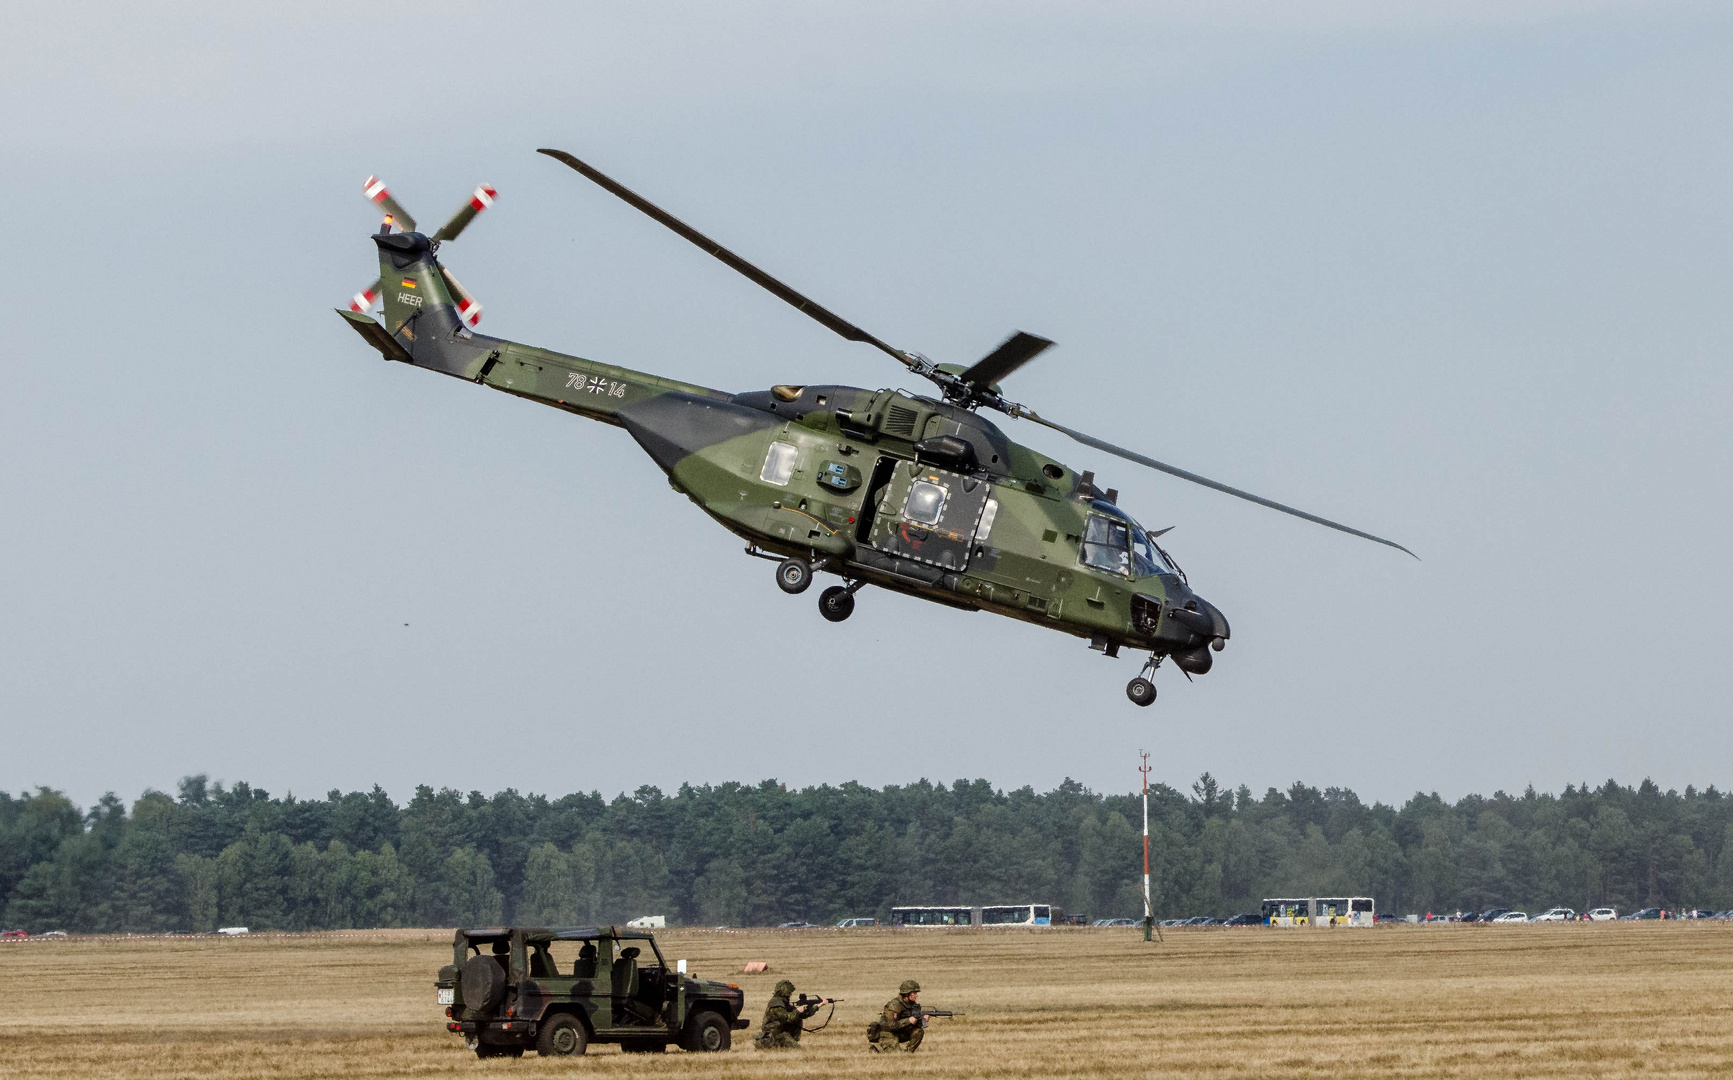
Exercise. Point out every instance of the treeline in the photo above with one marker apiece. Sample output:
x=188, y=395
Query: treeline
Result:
x=758, y=855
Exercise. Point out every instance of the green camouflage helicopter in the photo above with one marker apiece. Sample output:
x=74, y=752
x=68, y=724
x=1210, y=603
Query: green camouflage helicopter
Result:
x=919, y=494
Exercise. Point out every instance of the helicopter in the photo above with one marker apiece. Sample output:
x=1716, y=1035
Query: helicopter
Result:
x=920, y=494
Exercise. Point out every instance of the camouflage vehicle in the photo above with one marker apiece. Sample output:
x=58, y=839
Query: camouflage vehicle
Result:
x=509, y=989
x=916, y=494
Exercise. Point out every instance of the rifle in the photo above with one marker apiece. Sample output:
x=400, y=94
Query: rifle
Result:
x=926, y=1013
x=803, y=1001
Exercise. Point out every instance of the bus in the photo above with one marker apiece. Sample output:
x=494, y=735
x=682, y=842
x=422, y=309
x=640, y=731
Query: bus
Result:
x=1000, y=915
x=1320, y=911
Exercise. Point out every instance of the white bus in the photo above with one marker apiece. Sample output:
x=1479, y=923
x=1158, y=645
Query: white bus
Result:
x=1320, y=911
x=1000, y=915
x=933, y=916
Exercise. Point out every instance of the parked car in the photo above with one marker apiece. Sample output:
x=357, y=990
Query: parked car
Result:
x=1600, y=914
x=52, y=933
x=795, y=925
x=1557, y=914
x=1646, y=913
x=14, y=934
x=1511, y=917
x=1244, y=918
x=649, y=922
x=1120, y=922
x=859, y=921
x=1471, y=916
x=1492, y=913
x=1697, y=913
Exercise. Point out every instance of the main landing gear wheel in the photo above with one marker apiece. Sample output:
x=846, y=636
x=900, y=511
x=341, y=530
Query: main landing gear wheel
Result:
x=793, y=576
x=1141, y=691
x=836, y=603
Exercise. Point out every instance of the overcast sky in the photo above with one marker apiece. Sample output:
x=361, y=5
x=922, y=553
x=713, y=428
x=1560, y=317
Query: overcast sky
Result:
x=1454, y=274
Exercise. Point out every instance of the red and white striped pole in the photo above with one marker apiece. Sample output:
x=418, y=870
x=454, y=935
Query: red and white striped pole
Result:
x=1148, y=908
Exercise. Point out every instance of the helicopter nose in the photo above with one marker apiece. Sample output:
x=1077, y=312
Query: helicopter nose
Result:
x=1207, y=629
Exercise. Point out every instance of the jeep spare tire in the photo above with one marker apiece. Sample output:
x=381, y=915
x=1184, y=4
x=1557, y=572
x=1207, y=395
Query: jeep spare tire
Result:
x=483, y=983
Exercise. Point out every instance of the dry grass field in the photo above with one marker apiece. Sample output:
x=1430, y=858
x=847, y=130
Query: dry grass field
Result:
x=1651, y=1000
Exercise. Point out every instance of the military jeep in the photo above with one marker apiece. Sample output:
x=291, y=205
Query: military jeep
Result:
x=508, y=989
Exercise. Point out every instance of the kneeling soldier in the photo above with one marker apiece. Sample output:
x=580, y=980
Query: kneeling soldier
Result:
x=900, y=1028
x=782, y=1024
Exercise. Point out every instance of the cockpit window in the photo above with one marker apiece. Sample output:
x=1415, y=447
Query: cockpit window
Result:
x=1120, y=547
x=1107, y=545
x=1146, y=558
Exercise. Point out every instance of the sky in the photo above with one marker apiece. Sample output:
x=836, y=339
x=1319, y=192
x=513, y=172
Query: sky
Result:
x=1455, y=274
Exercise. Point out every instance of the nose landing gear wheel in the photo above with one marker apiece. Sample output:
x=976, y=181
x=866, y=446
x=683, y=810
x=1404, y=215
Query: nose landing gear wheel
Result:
x=836, y=603
x=793, y=576
x=1141, y=691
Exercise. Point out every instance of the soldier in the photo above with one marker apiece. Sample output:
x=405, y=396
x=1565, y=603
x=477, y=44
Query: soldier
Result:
x=900, y=1027
x=781, y=1027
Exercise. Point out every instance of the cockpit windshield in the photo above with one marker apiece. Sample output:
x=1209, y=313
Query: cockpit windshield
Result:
x=1117, y=544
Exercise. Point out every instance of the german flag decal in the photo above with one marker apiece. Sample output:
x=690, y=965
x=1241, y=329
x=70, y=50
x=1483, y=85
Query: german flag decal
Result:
x=409, y=283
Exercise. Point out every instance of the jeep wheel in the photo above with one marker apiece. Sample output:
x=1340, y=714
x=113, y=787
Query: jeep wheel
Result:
x=708, y=1032
x=562, y=1036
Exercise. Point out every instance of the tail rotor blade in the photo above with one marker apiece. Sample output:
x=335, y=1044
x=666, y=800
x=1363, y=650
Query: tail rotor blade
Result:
x=479, y=200
x=467, y=308
x=364, y=300
x=375, y=191
x=1149, y=462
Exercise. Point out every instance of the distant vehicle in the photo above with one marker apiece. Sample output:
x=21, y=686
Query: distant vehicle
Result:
x=1244, y=918
x=1697, y=913
x=508, y=989
x=933, y=916
x=1557, y=914
x=1199, y=920
x=1511, y=917
x=1320, y=911
x=15, y=934
x=858, y=921
x=1492, y=913
x=52, y=933
x=649, y=922
x=1118, y=922
x=1471, y=916
x=796, y=925
x=1021, y=915
x=1646, y=913
x=1172, y=922
x=1600, y=914
x=231, y=931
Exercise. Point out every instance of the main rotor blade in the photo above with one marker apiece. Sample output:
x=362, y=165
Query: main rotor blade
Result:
x=802, y=303
x=1120, y=451
x=480, y=200
x=1012, y=353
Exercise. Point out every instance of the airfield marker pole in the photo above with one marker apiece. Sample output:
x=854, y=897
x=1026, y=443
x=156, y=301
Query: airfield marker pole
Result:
x=1148, y=909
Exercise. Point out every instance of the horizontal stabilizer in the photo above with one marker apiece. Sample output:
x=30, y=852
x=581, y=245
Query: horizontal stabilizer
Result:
x=375, y=335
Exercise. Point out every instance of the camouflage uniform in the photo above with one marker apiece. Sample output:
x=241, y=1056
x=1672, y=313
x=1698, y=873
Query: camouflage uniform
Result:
x=781, y=1027
x=899, y=1027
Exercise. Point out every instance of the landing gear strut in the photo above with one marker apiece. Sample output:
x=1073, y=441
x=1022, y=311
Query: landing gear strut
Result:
x=1140, y=690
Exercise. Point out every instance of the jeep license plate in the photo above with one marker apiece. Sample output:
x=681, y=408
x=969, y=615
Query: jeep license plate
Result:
x=445, y=997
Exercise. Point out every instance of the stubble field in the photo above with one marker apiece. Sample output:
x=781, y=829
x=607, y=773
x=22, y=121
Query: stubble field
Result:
x=1604, y=1000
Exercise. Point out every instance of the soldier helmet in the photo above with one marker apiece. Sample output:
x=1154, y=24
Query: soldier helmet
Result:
x=909, y=986
x=784, y=988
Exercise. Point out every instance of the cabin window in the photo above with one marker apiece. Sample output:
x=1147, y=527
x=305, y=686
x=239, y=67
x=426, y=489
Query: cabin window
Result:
x=988, y=513
x=779, y=464
x=926, y=503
